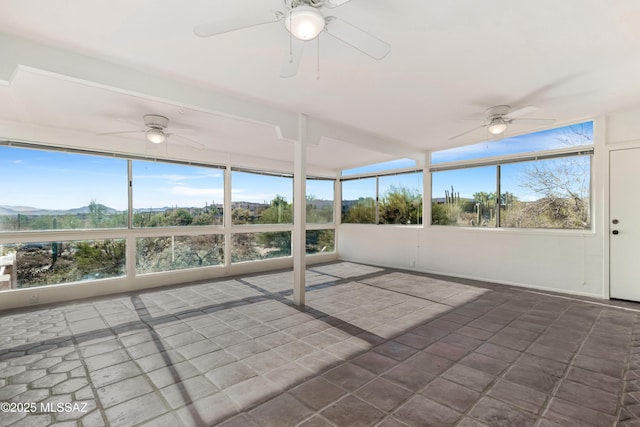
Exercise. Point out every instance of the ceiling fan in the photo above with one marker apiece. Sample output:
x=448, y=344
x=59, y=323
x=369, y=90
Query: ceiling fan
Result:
x=156, y=130
x=304, y=21
x=499, y=117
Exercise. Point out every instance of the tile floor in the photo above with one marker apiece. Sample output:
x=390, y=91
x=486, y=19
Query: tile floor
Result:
x=374, y=347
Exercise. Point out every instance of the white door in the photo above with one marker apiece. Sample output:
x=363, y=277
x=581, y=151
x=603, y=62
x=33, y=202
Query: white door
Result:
x=624, y=224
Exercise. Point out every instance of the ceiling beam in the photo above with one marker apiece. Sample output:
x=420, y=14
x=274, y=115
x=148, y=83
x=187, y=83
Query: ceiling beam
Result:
x=64, y=64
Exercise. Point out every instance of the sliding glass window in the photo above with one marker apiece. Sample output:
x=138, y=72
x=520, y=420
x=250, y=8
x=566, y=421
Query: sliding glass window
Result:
x=390, y=198
x=261, y=198
x=176, y=195
x=54, y=190
x=529, y=189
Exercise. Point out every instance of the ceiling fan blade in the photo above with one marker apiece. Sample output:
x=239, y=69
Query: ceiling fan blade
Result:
x=467, y=132
x=334, y=3
x=292, y=57
x=534, y=121
x=520, y=112
x=248, y=18
x=121, y=132
x=188, y=141
x=357, y=38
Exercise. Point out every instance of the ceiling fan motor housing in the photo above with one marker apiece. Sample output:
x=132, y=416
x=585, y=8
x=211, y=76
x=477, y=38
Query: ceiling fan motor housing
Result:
x=156, y=121
x=497, y=112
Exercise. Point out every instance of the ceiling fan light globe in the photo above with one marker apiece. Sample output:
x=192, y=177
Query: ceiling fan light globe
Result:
x=304, y=22
x=496, y=128
x=156, y=136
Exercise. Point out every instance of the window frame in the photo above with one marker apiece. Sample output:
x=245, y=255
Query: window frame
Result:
x=377, y=177
x=497, y=161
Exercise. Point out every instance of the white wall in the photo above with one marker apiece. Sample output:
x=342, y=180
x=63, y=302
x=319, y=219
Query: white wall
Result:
x=570, y=261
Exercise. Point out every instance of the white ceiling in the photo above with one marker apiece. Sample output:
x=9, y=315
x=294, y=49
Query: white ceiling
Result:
x=449, y=61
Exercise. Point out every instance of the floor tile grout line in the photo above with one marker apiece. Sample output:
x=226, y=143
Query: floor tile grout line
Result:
x=500, y=377
x=81, y=358
x=550, y=396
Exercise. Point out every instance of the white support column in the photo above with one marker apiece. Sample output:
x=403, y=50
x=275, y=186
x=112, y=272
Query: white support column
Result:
x=427, y=197
x=337, y=211
x=300, y=212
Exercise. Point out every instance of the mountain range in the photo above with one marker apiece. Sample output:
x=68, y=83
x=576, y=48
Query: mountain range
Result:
x=28, y=210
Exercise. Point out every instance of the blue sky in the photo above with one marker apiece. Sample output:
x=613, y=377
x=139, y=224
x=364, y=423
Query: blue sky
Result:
x=56, y=180
x=468, y=181
x=537, y=141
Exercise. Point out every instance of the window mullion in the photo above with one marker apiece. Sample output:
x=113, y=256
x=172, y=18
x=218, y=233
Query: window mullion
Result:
x=498, y=195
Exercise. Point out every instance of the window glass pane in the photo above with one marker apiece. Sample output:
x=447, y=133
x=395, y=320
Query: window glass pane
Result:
x=359, y=201
x=256, y=246
x=48, y=263
x=400, y=200
x=166, y=253
x=464, y=197
x=261, y=199
x=320, y=201
x=169, y=195
x=564, y=137
x=320, y=241
x=546, y=193
x=379, y=167
x=53, y=190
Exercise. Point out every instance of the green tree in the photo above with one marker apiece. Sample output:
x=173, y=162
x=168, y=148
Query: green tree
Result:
x=322, y=215
x=278, y=212
x=101, y=258
x=180, y=217
x=400, y=205
x=362, y=212
x=240, y=216
x=97, y=213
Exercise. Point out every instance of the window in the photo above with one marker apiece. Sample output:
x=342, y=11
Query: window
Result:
x=173, y=195
x=49, y=263
x=154, y=254
x=51, y=190
x=392, y=198
x=319, y=201
x=359, y=201
x=257, y=246
x=577, y=135
x=260, y=198
x=400, y=198
x=464, y=197
x=320, y=241
x=550, y=193
x=548, y=189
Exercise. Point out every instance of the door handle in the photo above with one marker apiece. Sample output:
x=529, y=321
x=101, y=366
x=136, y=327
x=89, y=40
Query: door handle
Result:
x=616, y=232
